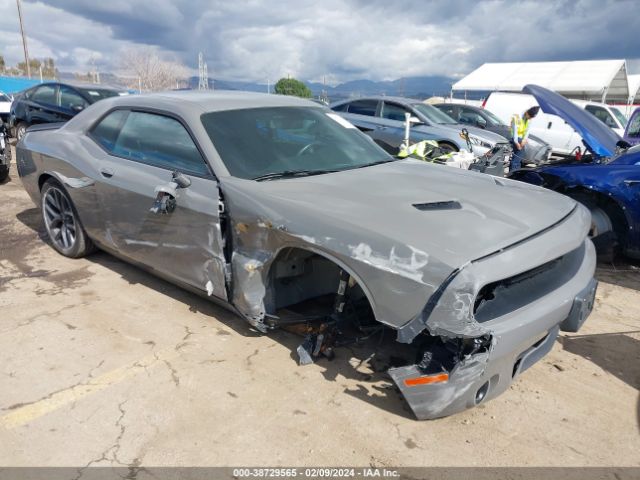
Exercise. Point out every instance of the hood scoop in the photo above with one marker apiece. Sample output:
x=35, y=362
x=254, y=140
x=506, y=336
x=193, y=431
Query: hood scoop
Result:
x=445, y=205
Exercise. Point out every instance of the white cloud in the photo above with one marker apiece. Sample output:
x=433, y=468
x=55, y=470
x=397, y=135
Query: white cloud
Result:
x=340, y=39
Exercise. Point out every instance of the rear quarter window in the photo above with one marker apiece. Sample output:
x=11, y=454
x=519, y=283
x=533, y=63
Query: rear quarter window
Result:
x=106, y=132
x=364, y=107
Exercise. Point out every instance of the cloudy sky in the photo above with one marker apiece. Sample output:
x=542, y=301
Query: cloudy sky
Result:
x=341, y=39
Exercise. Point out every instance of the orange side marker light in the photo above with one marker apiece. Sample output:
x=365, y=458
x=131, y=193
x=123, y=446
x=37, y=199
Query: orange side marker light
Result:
x=426, y=380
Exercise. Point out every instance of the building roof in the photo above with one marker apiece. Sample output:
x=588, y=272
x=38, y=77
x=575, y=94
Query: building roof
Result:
x=593, y=79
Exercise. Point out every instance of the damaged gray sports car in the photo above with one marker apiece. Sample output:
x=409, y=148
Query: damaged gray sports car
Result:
x=281, y=210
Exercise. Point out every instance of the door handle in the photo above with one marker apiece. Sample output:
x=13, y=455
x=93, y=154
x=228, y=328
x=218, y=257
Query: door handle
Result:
x=106, y=172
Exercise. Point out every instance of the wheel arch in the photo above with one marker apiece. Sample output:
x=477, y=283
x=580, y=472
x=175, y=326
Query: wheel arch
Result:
x=314, y=250
x=601, y=199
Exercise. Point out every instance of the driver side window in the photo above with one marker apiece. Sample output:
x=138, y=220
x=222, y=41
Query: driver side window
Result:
x=392, y=111
x=602, y=115
x=634, y=127
x=69, y=98
x=150, y=138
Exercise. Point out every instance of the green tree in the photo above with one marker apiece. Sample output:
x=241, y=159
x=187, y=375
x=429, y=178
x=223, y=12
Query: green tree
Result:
x=34, y=63
x=291, y=86
x=3, y=65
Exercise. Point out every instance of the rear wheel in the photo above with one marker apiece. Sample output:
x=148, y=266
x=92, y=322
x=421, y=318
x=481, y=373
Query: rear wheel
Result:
x=62, y=223
x=21, y=129
x=602, y=231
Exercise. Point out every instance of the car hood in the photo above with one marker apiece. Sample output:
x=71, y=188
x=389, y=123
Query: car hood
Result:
x=598, y=138
x=449, y=214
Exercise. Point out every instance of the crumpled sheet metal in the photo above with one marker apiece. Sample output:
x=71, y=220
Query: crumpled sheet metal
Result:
x=452, y=314
x=397, y=279
x=435, y=400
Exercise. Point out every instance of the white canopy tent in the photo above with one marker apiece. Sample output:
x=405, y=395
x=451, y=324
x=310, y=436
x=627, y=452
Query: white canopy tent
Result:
x=601, y=80
x=634, y=88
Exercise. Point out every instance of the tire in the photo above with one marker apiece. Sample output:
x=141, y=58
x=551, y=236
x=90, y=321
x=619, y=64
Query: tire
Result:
x=602, y=231
x=62, y=223
x=21, y=129
x=447, y=147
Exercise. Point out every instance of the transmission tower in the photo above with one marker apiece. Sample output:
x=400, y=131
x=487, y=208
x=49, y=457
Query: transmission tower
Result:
x=203, y=82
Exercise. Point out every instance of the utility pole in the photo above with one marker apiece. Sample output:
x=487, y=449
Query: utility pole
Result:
x=24, y=40
x=203, y=74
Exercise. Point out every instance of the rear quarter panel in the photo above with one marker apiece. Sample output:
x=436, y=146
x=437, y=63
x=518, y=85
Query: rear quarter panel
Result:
x=65, y=157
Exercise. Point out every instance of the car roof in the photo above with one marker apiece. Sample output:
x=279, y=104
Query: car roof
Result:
x=208, y=101
x=390, y=98
x=472, y=107
x=81, y=85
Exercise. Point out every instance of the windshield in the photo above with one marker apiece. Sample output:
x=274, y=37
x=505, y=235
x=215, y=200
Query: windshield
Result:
x=96, y=94
x=621, y=118
x=4, y=98
x=494, y=119
x=283, y=140
x=432, y=114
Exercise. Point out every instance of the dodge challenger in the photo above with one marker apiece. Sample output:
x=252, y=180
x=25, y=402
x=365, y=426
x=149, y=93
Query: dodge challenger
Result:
x=282, y=211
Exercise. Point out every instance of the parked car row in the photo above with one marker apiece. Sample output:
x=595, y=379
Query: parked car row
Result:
x=53, y=102
x=549, y=128
x=537, y=151
x=607, y=180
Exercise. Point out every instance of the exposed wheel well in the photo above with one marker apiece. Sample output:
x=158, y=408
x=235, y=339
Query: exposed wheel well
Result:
x=43, y=178
x=307, y=282
x=591, y=198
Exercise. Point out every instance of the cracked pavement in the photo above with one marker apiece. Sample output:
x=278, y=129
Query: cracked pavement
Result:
x=104, y=364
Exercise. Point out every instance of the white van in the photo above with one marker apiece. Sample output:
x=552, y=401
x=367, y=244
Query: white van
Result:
x=550, y=128
x=607, y=114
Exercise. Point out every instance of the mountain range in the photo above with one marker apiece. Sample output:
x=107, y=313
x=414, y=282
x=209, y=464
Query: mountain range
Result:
x=417, y=87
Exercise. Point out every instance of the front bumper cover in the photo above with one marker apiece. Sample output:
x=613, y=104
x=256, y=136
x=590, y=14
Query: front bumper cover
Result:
x=520, y=340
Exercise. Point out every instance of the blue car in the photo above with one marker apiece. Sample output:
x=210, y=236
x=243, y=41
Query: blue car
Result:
x=606, y=179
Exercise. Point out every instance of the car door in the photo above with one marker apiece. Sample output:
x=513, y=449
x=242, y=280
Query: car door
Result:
x=70, y=102
x=469, y=116
x=40, y=107
x=451, y=110
x=362, y=113
x=632, y=132
x=141, y=150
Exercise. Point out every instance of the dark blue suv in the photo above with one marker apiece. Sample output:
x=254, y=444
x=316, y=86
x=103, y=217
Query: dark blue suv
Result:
x=53, y=102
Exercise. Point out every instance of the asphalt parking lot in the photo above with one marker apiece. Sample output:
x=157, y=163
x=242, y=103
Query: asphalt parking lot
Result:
x=104, y=364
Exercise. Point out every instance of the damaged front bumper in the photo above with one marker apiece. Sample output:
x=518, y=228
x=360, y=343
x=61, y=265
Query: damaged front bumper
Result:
x=519, y=339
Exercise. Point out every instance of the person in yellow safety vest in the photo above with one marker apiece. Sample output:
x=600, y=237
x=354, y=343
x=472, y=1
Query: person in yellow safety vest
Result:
x=519, y=134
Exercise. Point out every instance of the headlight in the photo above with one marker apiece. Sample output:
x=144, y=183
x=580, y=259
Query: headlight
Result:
x=479, y=142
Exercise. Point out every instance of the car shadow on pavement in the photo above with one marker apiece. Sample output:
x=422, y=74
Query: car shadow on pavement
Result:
x=624, y=272
x=33, y=219
x=360, y=368
x=616, y=353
